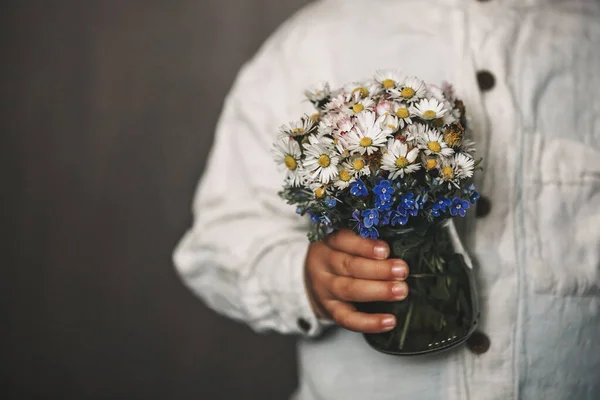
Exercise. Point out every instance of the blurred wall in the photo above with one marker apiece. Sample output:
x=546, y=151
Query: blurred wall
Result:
x=107, y=113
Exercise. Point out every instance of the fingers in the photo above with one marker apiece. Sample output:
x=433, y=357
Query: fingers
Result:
x=349, y=242
x=363, y=290
x=346, y=316
x=344, y=264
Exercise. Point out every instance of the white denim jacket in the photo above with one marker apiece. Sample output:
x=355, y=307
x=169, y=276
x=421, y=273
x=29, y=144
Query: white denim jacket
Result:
x=537, y=252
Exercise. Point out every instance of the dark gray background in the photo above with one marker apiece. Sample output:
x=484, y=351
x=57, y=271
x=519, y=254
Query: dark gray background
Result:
x=107, y=113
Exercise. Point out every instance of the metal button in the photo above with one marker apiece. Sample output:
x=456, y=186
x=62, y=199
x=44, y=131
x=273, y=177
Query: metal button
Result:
x=303, y=324
x=478, y=343
x=483, y=207
x=485, y=80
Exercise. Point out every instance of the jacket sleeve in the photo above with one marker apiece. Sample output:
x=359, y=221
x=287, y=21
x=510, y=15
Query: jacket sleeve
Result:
x=244, y=255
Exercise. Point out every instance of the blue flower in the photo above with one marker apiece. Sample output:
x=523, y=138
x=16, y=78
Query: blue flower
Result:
x=369, y=233
x=358, y=188
x=399, y=217
x=409, y=205
x=371, y=217
x=459, y=206
x=314, y=218
x=473, y=195
x=329, y=202
x=356, y=216
x=385, y=218
x=384, y=189
x=441, y=204
x=382, y=204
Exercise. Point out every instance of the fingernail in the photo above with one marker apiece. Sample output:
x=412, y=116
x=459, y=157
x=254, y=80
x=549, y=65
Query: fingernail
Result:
x=399, y=270
x=399, y=290
x=388, y=322
x=381, y=251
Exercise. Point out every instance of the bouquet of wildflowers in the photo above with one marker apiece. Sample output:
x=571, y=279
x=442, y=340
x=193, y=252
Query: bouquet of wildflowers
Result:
x=382, y=153
x=389, y=158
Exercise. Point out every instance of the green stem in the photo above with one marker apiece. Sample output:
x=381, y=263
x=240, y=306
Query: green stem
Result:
x=406, y=324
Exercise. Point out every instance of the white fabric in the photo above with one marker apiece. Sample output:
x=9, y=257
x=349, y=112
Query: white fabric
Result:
x=536, y=255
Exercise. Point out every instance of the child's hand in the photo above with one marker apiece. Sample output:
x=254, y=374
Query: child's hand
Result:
x=346, y=268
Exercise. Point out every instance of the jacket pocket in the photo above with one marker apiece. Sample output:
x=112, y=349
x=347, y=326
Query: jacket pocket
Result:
x=561, y=216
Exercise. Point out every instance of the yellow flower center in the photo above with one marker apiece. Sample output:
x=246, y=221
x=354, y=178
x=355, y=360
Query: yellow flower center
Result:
x=402, y=112
x=388, y=83
x=453, y=138
x=429, y=114
x=315, y=116
x=319, y=192
x=324, y=160
x=447, y=172
x=345, y=175
x=358, y=164
x=407, y=92
x=358, y=108
x=401, y=162
x=431, y=163
x=434, y=146
x=298, y=131
x=290, y=162
x=362, y=91
x=366, y=141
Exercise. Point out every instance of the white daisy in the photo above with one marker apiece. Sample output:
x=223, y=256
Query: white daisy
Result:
x=345, y=178
x=435, y=92
x=391, y=122
x=412, y=89
x=321, y=159
x=337, y=103
x=327, y=124
x=430, y=162
x=318, y=92
x=404, y=114
x=287, y=154
x=368, y=135
x=463, y=166
x=388, y=79
x=344, y=124
x=341, y=145
x=414, y=133
x=399, y=159
x=447, y=172
x=297, y=128
x=320, y=190
x=429, y=109
x=357, y=165
x=384, y=108
x=360, y=90
x=451, y=117
x=431, y=142
x=357, y=107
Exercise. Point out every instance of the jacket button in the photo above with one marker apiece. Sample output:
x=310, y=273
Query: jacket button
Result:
x=485, y=80
x=483, y=207
x=303, y=324
x=478, y=343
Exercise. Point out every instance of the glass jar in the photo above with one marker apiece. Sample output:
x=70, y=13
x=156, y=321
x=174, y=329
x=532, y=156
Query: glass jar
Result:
x=441, y=310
